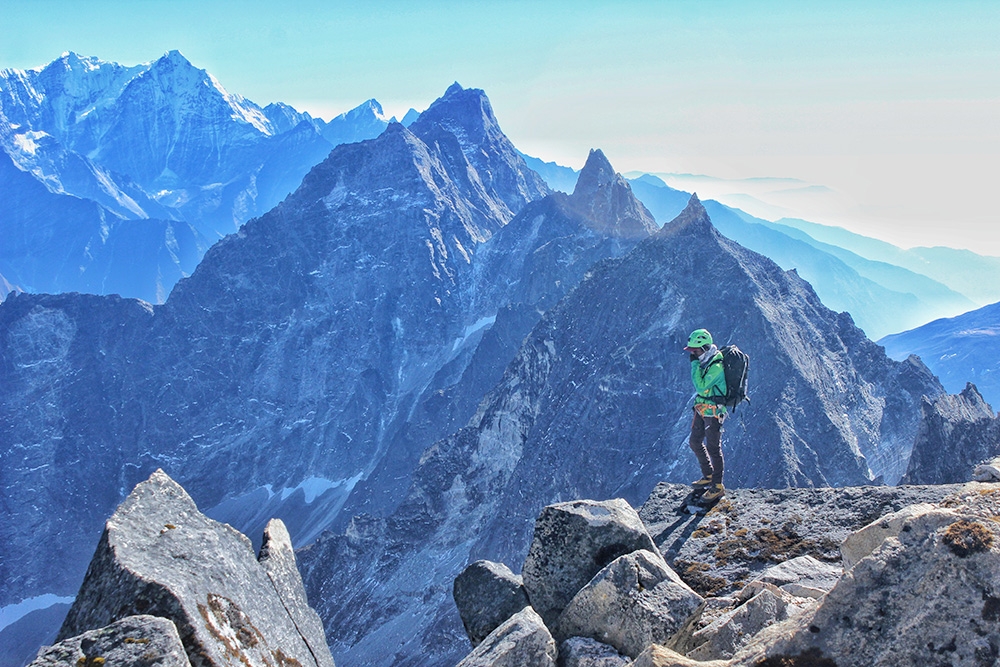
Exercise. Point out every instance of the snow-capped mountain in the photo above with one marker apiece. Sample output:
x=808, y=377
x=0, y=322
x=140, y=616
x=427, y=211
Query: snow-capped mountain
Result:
x=160, y=141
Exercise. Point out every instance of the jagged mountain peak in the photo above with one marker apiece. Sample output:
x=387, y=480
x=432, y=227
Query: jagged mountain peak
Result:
x=596, y=172
x=70, y=60
x=369, y=108
x=174, y=56
x=465, y=108
x=606, y=199
x=693, y=219
x=462, y=126
x=374, y=105
x=194, y=93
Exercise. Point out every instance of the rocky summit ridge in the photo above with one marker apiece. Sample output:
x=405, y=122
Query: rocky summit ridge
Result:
x=798, y=577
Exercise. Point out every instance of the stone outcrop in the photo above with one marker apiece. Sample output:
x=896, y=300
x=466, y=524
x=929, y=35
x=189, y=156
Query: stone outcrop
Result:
x=861, y=543
x=660, y=656
x=727, y=634
x=596, y=571
x=987, y=471
x=521, y=641
x=929, y=595
x=487, y=594
x=635, y=601
x=136, y=641
x=925, y=593
x=574, y=541
x=278, y=560
x=160, y=556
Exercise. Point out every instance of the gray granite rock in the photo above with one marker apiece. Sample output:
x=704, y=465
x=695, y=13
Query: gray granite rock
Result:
x=587, y=652
x=754, y=529
x=722, y=639
x=803, y=576
x=661, y=656
x=487, y=594
x=635, y=601
x=928, y=596
x=159, y=555
x=134, y=641
x=572, y=542
x=521, y=641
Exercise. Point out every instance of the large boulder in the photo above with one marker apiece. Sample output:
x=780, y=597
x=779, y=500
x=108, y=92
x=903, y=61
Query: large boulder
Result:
x=277, y=557
x=633, y=602
x=487, y=594
x=928, y=596
x=521, y=641
x=987, y=471
x=160, y=556
x=135, y=641
x=572, y=542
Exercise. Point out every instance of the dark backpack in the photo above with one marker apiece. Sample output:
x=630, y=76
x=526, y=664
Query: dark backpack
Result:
x=736, y=365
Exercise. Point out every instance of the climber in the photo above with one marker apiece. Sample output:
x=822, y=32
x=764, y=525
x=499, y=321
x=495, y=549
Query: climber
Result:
x=709, y=379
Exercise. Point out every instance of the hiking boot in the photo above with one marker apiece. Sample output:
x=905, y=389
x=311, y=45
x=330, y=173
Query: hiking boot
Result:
x=714, y=493
x=702, y=483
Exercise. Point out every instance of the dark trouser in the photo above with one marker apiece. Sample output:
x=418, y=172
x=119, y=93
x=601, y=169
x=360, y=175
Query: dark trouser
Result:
x=706, y=443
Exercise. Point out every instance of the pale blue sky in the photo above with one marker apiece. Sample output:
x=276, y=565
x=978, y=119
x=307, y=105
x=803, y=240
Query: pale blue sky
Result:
x=894, y=105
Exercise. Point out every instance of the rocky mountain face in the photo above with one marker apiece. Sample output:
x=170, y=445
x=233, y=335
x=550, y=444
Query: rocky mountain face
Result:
x=132, y=172
x=817, y=577
x=596, y=403
x=959, y=350
x=168, y=585
x=278, y=375
x=521, y=272
x=956, y=433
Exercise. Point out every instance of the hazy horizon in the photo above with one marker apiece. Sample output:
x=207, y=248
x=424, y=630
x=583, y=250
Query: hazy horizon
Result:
x=886, y=114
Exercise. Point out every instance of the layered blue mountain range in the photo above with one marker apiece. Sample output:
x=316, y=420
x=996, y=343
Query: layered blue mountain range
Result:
x=885, y=288
x=165, y=144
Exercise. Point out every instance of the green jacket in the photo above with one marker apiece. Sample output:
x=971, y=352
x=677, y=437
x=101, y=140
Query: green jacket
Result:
x=709, y=381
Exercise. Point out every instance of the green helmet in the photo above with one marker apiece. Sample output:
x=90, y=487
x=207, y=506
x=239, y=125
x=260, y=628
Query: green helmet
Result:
x=699, y=338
